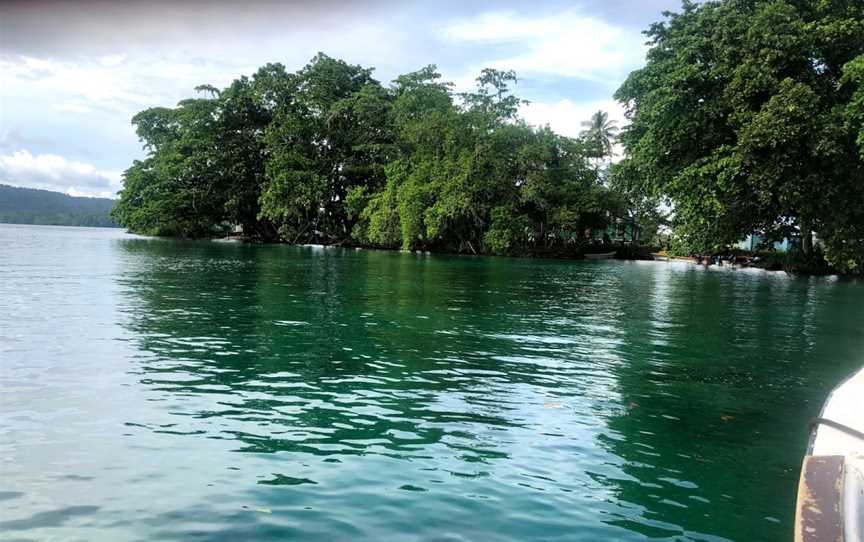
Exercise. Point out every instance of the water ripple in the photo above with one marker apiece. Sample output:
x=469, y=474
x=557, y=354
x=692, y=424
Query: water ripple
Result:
x=225, y=392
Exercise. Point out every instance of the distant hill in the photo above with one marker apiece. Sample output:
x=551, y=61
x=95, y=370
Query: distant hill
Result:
x=31, y=206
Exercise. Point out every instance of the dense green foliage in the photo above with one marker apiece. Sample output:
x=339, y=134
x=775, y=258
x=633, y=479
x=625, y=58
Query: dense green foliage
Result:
x=327, y=154
x=749, y=116
x=31, y=206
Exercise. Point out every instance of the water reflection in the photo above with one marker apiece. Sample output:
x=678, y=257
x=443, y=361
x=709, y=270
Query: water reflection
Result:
x=716, y=400
x=361, y=388
x=303, y=365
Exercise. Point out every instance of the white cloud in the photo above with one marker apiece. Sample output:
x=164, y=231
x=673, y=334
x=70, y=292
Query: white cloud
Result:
x=566, y=116
x=14, y=139
x=72, y=108
x=110, y=61
x=110, y=84
x=84, y=81
x=53, y=172
x=568, y=44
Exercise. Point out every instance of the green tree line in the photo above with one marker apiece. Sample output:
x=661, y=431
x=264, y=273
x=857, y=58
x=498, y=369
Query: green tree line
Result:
x=328, y=154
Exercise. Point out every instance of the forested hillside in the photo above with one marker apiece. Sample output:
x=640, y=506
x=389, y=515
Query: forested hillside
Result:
x=30, y=206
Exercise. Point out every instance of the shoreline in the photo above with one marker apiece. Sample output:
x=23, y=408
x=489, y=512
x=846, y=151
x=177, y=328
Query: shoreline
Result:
x=645, y=256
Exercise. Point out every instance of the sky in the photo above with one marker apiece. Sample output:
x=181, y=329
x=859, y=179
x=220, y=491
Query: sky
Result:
x=72, y=74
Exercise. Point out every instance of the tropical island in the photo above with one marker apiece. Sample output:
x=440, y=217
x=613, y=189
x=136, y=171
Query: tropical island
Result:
x=748, y=118
x=248, y=370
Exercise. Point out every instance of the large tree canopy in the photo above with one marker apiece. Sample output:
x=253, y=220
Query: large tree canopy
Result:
x=748, y=116
x=328, y=154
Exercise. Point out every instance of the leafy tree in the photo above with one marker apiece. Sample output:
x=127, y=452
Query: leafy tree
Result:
x=246, y=109
x=637, y=200
x=177, y=190
x=492, y=102
x=460, y=166
x=331, y=135
x=747, y=116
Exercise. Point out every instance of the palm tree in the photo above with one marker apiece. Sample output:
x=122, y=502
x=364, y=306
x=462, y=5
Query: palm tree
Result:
x=600, y=131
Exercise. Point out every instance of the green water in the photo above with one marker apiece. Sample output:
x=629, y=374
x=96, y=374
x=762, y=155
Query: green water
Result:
x=158, y=390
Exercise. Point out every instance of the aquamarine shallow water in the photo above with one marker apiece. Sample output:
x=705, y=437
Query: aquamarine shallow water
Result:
x=160, y=390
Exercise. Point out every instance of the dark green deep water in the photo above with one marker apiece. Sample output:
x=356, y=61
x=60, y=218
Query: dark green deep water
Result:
x=158, y=390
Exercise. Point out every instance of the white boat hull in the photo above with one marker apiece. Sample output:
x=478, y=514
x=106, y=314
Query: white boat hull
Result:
x=831, y=489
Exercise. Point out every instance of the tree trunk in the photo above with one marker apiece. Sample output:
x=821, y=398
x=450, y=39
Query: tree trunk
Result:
x=806, y=240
